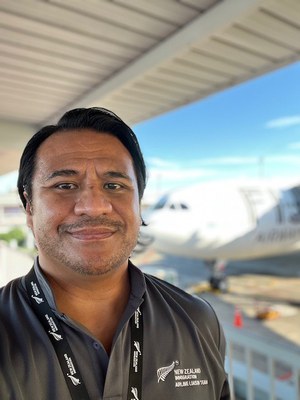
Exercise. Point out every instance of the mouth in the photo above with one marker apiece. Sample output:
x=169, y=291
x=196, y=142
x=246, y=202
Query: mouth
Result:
x=90, y=234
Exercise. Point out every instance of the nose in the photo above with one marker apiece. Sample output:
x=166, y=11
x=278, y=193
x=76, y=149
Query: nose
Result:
x=92, y=201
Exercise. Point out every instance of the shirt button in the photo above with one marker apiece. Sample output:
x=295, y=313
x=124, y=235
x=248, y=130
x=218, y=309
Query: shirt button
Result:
x=96, y=345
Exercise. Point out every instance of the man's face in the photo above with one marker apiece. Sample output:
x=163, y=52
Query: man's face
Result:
x=85, y=211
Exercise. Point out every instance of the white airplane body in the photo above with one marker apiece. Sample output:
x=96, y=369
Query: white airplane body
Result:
x=226, y=221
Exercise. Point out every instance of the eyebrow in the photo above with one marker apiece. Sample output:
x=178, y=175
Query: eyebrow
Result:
x=117, y=174
x=72, y=172
x=62, y=172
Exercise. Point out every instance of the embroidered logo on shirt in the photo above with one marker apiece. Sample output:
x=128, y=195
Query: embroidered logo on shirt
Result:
x=163, y=372
x=183, y=377
x=134, y=391
x=187, y=377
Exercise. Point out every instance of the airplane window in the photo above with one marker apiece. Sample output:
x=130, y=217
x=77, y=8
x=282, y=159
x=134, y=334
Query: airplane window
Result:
x=179, y=206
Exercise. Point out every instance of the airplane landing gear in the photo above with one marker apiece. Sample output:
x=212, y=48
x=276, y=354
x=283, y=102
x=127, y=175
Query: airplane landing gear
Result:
x=219, y=283
x=218, y=279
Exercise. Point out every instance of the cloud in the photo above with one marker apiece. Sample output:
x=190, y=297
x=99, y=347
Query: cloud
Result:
x=171, y=173
x=194, y=164
x=228, y=161
x=179, y=174
x=283, y=159
x=160, y=163
x=283, y=122
x=167, y=175
x=294, y=146
x=161, y=180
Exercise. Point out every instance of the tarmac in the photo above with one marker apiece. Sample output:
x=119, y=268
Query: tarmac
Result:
x=263, y=296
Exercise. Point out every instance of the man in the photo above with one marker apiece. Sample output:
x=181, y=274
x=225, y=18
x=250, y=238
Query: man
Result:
x=85, y=323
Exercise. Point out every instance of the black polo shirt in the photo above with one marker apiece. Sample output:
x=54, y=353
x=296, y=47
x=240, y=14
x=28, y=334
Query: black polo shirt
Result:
x=183, y=347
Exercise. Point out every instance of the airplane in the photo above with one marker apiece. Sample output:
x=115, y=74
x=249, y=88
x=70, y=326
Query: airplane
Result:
x=222, y=221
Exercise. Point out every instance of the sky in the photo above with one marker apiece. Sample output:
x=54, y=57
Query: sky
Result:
x=249, y=131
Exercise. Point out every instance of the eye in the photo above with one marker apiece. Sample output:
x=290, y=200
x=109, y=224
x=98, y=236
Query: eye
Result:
x=66, y=186
x=113, y=186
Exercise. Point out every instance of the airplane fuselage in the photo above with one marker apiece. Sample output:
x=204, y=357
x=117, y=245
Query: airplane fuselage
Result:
x=230, y=222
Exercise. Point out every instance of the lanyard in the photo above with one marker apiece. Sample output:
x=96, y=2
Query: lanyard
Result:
x=63, y=350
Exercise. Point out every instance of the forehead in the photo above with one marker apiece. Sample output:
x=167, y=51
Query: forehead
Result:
x=77, y=146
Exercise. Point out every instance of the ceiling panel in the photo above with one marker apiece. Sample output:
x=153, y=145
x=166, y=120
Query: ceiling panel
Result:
x=251, y=41
x=166, y=10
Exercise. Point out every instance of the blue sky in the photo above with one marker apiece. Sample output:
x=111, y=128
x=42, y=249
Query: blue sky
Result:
x=246, y=131
x=251, y=130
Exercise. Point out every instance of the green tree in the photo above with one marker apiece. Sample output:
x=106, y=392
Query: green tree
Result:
x=14, y=234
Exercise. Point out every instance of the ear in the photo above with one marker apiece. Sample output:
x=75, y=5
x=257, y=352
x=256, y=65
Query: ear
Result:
x=28, y=210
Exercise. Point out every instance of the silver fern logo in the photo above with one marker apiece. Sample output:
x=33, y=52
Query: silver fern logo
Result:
x=163, y=372
x=137, y=315
x=137, y=346
x=39, y=300
x=56, y=336
x=74, y=380
x=134, y=391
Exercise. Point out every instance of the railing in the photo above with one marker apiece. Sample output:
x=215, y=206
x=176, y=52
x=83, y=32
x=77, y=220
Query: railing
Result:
x=261, y=370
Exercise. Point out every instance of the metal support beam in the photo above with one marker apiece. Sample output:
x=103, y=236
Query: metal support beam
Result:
x=215, y=19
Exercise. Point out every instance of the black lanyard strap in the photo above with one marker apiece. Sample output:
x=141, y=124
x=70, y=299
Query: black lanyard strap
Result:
x=57, y=336
x=63, y=350
x=136, y=360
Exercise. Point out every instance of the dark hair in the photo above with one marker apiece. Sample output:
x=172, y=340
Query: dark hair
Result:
x=95, y=118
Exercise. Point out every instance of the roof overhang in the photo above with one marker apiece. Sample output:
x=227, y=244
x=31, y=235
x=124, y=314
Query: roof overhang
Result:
x=138, y=58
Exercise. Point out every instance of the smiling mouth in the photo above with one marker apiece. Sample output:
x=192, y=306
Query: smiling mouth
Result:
x=90, y=234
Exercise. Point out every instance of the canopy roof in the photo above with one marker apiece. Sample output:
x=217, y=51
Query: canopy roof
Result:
x=139, y=58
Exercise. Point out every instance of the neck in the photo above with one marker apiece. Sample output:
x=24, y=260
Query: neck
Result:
x=96, y=302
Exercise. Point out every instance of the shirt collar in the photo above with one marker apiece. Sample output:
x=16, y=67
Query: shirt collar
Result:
x=44, y=284
x=136, y=277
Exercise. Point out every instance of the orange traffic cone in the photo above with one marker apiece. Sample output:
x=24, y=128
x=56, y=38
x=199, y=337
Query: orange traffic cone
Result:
x=238, y=319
